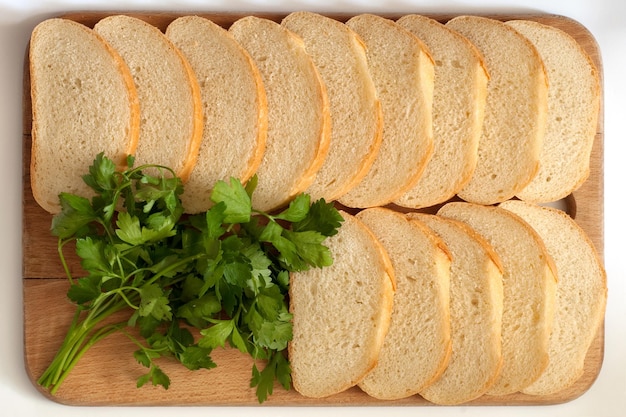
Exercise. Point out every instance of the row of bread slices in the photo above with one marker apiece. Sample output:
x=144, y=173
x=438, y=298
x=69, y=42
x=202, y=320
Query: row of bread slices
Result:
x=369, y=112
x=472, y=300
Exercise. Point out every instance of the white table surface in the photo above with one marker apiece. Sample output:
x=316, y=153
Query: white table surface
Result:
x=604, y=18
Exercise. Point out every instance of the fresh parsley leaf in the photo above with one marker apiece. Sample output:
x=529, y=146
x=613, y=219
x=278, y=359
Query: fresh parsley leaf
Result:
x=217, y=334
x=271, y=232
x=199, y=311
x=251, y=185
x=276, y=368
x=96, y=256
x=237, y=201
x=156, y=376
x=309, y=247
x=237, y=341
x=297, y=210
x=75, y=216
x=215, y=218
x=195, y=357
x=270, y=302
x=276, y=334
x=101, y=177
x=322, y=217
x=154, y=302
x=85, y=290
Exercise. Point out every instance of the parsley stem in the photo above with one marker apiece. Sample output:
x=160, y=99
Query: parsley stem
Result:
x=76, y=355
x=74, y=345
x=60, y=244
x=173, y=267
x=121, y=294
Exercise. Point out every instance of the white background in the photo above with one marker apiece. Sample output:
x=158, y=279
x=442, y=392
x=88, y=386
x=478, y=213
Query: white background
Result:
x=604, y=18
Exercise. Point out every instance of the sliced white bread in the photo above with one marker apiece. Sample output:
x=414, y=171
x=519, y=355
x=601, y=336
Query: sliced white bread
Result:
x=580, y=295
x=233, y=103
x=403, y=73
x=298, y=134
x=356, y=118
x=476, y=302
x=83, y=102
x=341, y=313
x=573, y=110
x=529, y=282
x=460, y=93
x=171, y=108
x=515, y=112
x=417, y=347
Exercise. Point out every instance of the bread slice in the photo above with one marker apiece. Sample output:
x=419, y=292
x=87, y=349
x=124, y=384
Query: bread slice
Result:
x=515, y=113
x=233, y=103
x=298, y=134
x=573, y=111
x=169, y=96
x=356, y=118
x=476, y=302
x=580, y=295
x=529, y=282
x=402, y=70
x=417, y=347
x=460, y=93
x=341, y=313
x=83, y=102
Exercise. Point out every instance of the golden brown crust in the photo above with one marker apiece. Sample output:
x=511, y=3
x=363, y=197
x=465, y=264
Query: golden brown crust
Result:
x=133, y=132
x=193, y=145
x=323, y=146
x=257, y=157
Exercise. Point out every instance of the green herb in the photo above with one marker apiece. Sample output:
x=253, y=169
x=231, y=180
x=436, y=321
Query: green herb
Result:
x=160, y=277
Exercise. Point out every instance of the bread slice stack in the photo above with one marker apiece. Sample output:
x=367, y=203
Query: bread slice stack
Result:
x=487, y=302
x=369, y=112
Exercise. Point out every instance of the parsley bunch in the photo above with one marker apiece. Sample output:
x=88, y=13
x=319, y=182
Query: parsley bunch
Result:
x=189, y=283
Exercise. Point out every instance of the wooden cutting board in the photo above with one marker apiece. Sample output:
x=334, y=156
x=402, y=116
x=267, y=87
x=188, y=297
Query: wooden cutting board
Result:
x=107, y=374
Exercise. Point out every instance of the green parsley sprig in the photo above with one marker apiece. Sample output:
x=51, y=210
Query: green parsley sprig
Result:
x=188, y=283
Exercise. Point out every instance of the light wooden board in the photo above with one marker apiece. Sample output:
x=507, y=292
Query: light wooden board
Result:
x=107, y=374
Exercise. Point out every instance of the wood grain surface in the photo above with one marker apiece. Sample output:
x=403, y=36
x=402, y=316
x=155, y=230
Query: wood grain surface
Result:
x=107, y=374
